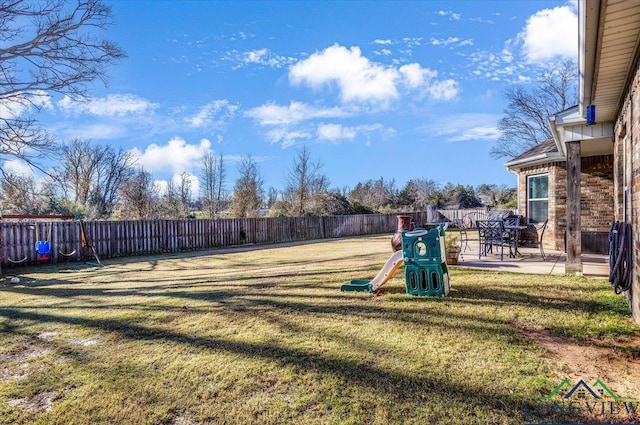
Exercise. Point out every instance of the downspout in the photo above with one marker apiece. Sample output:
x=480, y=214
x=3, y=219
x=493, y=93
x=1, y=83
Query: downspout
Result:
x=633, y=256
x=625, y=168
x=515, y=173
x=625, y=186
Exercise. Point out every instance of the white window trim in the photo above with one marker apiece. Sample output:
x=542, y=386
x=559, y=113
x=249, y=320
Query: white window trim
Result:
x=536, y=199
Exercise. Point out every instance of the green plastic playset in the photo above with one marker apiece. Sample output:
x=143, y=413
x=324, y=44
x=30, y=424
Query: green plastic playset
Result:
x=423, y=256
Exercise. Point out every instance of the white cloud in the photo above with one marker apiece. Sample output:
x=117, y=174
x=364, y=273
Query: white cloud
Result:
x=498, y=67
x=40, y=99
x=451, y=40
x=272, y=114
x=265, y=57
x=215, y=113
x=255, y=56
x=412, y=41
x=97, y=131
x=507, y=55
x=477, y=134
x=415, y=76
x=550, y=33
x=262, y=57
x=358, y=79
x=418, y=78
x=110, y=106
x=15, y=166
x=286, y=137
x=452, y=15
x=466, y=127
x=444, y=42
x=383, y=42
x=17, y=104
x=335, y=132
x=176, y=156
x=383, y=52
x=444, y=90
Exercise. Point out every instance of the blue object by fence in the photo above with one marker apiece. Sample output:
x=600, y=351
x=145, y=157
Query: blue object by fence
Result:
x=43, y=248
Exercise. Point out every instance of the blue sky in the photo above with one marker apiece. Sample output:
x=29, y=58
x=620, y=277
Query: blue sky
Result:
x=400, y=89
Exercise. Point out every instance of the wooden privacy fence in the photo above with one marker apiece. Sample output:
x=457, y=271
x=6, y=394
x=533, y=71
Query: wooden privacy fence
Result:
x=460, y=214
x=472, y=214
x=127, y=238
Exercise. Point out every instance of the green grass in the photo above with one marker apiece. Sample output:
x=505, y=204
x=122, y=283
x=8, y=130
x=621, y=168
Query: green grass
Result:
x=265, y=336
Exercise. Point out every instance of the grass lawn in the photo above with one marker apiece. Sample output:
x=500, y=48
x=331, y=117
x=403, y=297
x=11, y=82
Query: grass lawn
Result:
x=265, y=336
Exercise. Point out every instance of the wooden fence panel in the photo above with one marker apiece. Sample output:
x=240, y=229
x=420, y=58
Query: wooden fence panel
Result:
x=136, y=237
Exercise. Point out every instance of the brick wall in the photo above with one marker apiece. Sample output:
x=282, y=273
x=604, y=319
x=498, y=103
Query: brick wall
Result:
x=628, y=124
x=596, y=191
x=554, y=234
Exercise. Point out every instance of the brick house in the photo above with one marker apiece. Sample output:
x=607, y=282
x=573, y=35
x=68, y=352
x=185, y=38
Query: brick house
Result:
x=589, y=173
x=542, y=194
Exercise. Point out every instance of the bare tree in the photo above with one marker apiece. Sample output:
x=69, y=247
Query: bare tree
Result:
x=272, y=196
x=20, y=195
x=139, y=198
x=212, y=183
x=46, y=47
x=117, y=168
x=376, y=195
x=171, y=204
x=525, y=122
x=221, y=180
x=184, y=186
x=248, y=190
x=418, y=193
x=176, y=202
x=92, y=175
x=304, y=180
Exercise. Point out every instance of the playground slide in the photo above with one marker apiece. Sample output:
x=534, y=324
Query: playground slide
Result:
x=386, y=272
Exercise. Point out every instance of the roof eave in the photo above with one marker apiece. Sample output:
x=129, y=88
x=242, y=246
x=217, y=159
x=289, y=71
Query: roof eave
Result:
x=556, y=136
x=588, y=21
x=543, y=158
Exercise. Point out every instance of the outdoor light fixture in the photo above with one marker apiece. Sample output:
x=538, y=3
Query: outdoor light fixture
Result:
x=591, y=114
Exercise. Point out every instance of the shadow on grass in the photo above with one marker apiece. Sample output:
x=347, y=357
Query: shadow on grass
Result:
x=273, y=303
x=510, y=297
x=269, y=294
x=395, y=385
x=154, y=258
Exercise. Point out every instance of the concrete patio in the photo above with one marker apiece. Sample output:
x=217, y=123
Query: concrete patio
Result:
x=596, y=266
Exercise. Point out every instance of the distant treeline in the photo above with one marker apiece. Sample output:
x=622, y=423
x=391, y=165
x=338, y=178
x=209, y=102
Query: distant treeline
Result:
x=100, y=182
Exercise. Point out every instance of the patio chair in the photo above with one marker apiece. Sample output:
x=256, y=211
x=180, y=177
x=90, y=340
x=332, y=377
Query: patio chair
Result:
x=512, y=233
x=470, y=219
x=464, y=237
x=490, y=233
x=512, y=220
x=540, y=231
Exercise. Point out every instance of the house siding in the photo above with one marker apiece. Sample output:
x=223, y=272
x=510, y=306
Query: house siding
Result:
x=628, y=124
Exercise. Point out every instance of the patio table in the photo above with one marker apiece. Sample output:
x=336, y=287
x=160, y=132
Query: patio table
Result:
x=514, y=236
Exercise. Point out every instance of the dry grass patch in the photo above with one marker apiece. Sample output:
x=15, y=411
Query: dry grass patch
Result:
x=264, y=336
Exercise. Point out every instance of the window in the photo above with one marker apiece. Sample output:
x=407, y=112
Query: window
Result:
x=538, y=198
